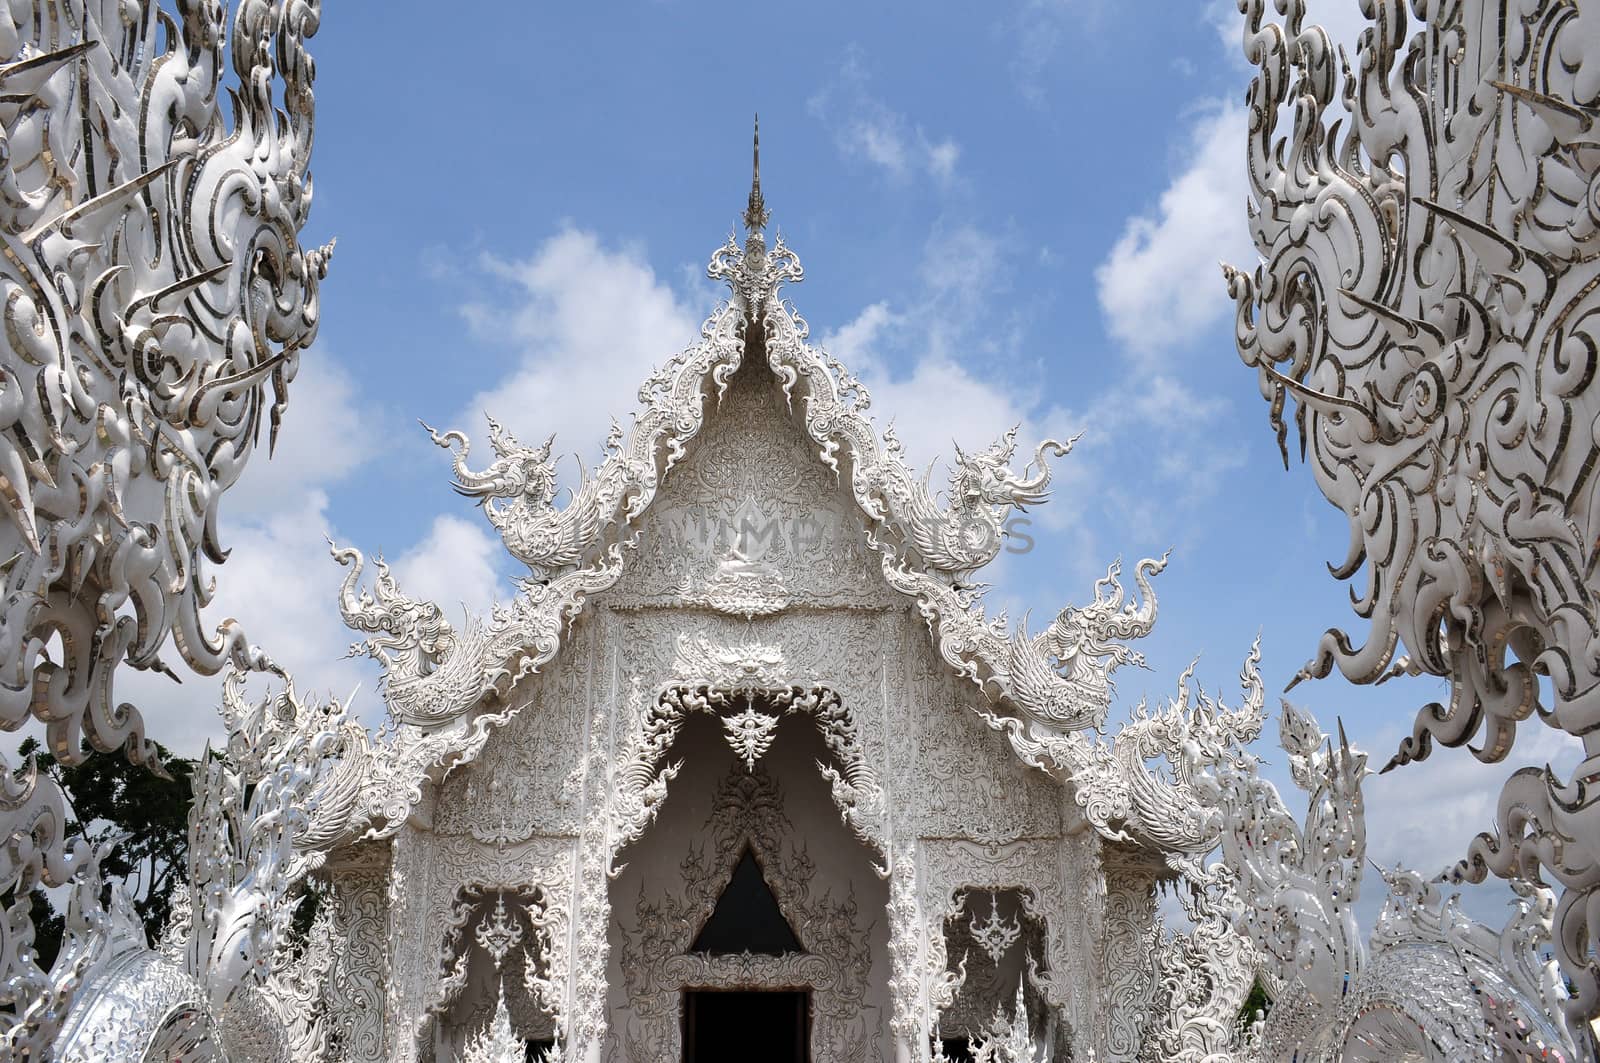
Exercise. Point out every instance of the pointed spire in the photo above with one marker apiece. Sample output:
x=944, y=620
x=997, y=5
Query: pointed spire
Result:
x=756, y=214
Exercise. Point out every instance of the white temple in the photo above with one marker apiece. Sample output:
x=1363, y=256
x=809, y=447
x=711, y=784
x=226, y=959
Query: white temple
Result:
x=744, y=772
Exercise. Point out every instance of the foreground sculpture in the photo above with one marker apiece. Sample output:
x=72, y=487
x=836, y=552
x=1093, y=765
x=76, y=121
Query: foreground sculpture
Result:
x=227, y=980
x=1428, y=303
x=154, y=287
x=1429, y=984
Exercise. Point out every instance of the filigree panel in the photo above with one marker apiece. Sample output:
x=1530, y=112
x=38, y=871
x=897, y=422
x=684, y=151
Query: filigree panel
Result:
x=968, y=781
x=752, y=506
x=528, y=779
x=1040, y=873
x=748, y=810
x=357, y=984
x=429, y=872
x=1126, y=954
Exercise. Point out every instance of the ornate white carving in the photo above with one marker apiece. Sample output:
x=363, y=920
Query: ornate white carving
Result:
x=1126, y=953
x=436, y=678
x=497, y=1044
x=1204, y=976
x=1431, y=985
x=906, y=933
x=750, y=733
x=517, y=493
x=1180, y=1003
x=743, y=587
x=153, y=286
x=226, y=977
x=1126, y=800
x=498, y=935
x=361, y=968
x=1034, y=870
x=1007, y=1038
x=1428, y=299
x=436, y=885
x=831, y=610
x=485, y=756
x=297, y=990
x=740, y=667
x=657, y=961
x=994, y=935
x=641, y=779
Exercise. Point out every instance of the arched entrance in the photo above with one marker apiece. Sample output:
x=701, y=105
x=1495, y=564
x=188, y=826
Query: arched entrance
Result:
x=748, y=920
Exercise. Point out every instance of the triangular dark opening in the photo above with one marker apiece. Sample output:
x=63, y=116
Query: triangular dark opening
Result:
x=747, y=917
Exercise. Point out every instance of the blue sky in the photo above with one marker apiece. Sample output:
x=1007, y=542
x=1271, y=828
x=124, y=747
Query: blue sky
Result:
x=1008, y=212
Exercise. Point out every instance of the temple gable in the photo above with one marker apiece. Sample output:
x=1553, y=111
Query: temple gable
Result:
x=751, y=521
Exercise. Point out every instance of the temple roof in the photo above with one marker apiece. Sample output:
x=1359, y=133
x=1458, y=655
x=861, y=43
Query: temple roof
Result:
x=447, y=688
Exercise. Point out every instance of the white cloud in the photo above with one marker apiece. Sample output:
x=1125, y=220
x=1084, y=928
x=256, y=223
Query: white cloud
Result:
x=1425, y=814
x=942, y=159
x=964, y=269
x=587, y=324
x=1160, y=283
x=1225, y=20
x=938, y=402
x=1151, y=448
x=457, y=563
x=1039, y=28
x=326, y=433
x=867, y=129
x=280, y=584
x=934, y=361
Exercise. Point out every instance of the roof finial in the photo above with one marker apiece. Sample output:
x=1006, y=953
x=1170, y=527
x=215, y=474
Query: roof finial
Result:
x=756, y=214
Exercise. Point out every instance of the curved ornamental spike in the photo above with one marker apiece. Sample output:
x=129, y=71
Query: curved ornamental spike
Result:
x=154, y=290
x=966, y=533
x=1430, y=984
x=518, y=491
x=1427, y=299
x=432, y=673
x=225, y=980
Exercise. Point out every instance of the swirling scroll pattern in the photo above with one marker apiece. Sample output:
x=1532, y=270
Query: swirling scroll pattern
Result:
x=152, y=287
x=1428, y=300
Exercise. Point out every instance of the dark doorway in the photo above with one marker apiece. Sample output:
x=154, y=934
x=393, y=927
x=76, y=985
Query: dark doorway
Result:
x=956, y=1049
x=737, y=1026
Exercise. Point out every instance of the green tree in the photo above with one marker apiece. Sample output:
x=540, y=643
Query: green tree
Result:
x=107, y=795
x=1256, y=1003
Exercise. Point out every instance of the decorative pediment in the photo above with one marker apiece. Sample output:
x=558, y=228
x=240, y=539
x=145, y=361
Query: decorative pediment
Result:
x=740, y=666
x=447, y=687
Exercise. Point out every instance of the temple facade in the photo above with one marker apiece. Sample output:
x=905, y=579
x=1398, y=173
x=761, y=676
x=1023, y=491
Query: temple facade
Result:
x=745, y=771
